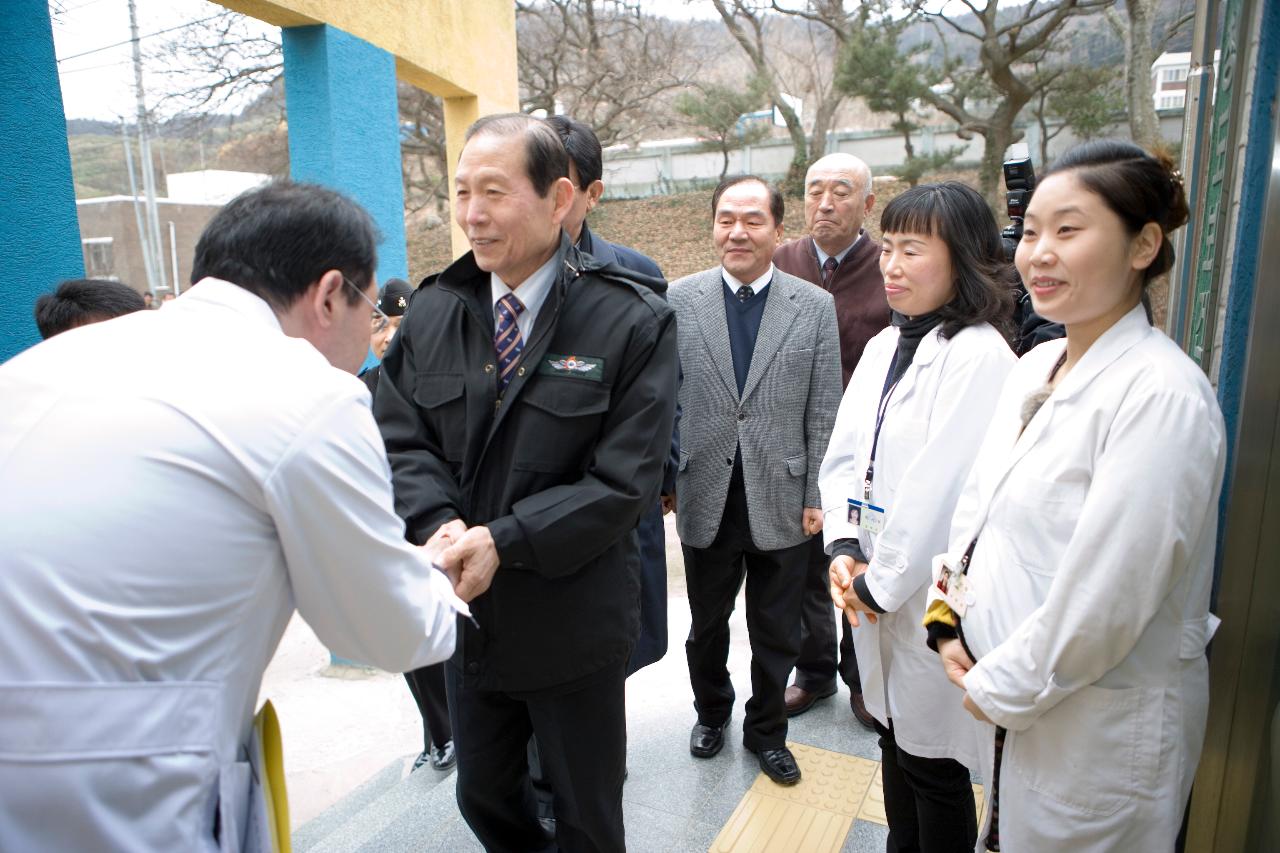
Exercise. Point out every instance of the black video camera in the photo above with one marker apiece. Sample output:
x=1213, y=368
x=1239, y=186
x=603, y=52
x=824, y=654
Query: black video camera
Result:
x=1019, y=183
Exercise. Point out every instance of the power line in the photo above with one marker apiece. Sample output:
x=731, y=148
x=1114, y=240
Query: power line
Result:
x=94, y=67
x=147, y=36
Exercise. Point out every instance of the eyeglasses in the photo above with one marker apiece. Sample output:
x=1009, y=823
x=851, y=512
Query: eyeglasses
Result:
x=378, y=319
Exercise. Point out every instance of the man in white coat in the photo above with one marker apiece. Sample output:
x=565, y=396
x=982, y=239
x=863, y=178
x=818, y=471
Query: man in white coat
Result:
x=175, y=483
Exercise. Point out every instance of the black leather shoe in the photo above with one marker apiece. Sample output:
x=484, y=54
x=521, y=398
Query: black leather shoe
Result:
x=443, y=757
x=860, y=712
x=420, y=761
x=798, y=700
x=706, y=741
x=779, y=765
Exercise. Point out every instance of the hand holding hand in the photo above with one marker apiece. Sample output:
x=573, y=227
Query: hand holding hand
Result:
x=852, y=603
x=840, y=574
x=811, y=521
x=474, y=559
x=956, y=662
x=445, y=535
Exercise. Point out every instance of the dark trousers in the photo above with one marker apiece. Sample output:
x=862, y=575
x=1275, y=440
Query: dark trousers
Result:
x=652, y=643
x=427, y=686
x=582, y=732
x=816, y=668
x=929, y=801
x=774, y=583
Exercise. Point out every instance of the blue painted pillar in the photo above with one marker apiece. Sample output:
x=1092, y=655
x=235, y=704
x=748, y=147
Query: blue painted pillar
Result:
x=38, y=229
x=344, y=127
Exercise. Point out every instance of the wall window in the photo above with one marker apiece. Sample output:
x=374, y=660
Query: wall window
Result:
x=99, y=257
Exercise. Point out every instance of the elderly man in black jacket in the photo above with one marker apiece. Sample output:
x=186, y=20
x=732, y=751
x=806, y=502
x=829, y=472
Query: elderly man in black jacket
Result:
x=527, y=406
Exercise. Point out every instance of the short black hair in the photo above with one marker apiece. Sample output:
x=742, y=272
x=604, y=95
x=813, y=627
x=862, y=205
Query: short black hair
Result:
x=545, y=158
x=1137, y=186
x=277, y=240
x=959, y=216
x=583, y=147
x=81, y=301
x=777, y=207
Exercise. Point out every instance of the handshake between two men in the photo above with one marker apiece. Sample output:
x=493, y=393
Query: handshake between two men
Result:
x=466, y=555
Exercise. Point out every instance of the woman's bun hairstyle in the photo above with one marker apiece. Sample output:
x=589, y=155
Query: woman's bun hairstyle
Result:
x=1139, y=187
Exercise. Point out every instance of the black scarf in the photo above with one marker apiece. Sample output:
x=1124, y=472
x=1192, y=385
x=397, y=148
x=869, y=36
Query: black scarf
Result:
x=911, y=330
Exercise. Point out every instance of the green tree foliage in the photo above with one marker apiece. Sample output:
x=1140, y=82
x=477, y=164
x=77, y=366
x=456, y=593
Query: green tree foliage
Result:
x=716, y=113
x=892, y=80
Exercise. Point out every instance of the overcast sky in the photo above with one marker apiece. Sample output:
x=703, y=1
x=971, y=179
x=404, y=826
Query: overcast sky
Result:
x=100, y=85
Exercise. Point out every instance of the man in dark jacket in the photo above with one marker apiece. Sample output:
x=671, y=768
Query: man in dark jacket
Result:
x=527, y=406
x=586, y=166
x=842, y=259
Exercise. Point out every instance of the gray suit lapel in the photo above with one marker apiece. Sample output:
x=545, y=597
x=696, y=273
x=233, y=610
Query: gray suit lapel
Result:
x=715, y=328
x=779, y=313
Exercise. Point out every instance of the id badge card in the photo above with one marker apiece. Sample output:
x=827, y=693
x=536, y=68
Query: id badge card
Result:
x=952, y=586
x=866, y=515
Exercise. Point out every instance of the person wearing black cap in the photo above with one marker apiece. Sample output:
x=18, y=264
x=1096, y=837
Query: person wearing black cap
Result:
x=426, y=684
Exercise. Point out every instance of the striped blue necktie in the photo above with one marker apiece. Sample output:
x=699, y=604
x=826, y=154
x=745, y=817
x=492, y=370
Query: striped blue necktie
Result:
x=507, y=340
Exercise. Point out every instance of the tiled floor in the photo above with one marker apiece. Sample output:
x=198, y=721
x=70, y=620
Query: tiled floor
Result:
x=672, y=801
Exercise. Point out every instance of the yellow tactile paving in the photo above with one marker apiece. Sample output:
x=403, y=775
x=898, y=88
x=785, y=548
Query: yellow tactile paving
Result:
x=873, y=804
x=813, y=816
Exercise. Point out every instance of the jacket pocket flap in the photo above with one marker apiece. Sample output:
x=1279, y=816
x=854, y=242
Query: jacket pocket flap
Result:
x=566, y=398
x=435, y=389
x=796, y=465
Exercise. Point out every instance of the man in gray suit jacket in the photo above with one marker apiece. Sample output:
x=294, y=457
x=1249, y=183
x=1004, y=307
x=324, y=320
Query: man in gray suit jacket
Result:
x=760, y=351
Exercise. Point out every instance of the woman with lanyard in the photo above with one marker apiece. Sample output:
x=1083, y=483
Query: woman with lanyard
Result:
x=1080, y=569
x=912, y=416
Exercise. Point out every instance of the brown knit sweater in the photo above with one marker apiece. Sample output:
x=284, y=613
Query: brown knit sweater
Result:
x=857, y=286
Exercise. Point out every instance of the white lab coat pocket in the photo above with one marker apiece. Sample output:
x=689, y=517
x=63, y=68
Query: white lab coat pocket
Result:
x=1046, y=512
x=235, y=782
x=1094, y=751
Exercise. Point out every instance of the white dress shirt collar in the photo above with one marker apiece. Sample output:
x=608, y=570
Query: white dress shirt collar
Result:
x=532, y=292
x=216, y=291
x=756, y=286
x=839, y=256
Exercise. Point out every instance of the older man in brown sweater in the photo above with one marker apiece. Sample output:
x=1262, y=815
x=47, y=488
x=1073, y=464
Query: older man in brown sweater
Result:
x=841, y=258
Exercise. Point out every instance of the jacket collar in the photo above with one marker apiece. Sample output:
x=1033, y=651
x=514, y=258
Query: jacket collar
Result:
x=601, y=250
x=779, y=313
x=1128, y=331
x=930, y=345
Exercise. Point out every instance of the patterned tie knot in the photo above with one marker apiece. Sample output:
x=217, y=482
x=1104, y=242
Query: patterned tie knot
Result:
x=830, y=264
x=511, y=306
x=745, y=292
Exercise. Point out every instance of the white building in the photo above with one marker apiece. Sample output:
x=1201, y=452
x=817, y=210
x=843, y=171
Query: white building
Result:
x=1169, y=79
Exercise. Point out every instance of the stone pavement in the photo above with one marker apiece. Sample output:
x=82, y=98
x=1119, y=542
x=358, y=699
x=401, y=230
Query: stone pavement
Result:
x=349, y=742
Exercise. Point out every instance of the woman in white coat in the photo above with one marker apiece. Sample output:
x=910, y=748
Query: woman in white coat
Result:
x=905, y=436
x=1087, y=531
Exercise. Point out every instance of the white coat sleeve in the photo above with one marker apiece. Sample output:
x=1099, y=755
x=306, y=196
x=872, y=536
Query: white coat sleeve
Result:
x=917, y=525
x=369, y=595
x=1154, y=489
x=839, y=476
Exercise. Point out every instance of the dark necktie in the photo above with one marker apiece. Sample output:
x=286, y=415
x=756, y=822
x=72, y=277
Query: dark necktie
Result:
x=506, y=338
x=828, y=270
x=745, y=292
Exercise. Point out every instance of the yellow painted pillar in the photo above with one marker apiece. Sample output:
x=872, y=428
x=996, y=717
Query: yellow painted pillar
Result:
x=459, y=113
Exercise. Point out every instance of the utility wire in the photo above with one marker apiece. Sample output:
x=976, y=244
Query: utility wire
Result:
x=130, y=41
